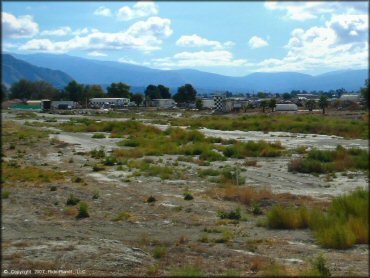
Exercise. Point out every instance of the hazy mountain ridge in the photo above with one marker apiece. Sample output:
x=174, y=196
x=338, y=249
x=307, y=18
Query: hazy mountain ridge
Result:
x=105, y=72
x=14, y=69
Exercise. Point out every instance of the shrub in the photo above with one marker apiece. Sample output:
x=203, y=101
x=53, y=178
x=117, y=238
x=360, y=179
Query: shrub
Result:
x=233, y=214
x=159, y=252
x=319, y=267
x=337, y=236
x=188, y=196
x=95, y=195
x=98, y=136
x=110, y=160
x=72, y=200
x=121, y=216
x=53, y=188
x=211, y=156
x=208, y=172
x=77, y=179
x=280, y=217
x=226, y=237
x=82, y=211
x=5, y=194
x=97, y=153
x=97, y=168
x=151, y=199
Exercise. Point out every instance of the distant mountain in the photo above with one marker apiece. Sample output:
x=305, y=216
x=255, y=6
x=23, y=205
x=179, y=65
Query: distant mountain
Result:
x=105, y=72
x=14, y=69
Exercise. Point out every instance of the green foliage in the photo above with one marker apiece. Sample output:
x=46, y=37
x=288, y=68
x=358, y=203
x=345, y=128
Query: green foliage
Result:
x=119, y=89
x=208, y=172
x=310, y=104
x=188, y=196
x=25, y=89
x=199, y=103
x=188, y=271
x=98, y=167
x=159, y=252
x=97, y=153
x=253, y=149
x=138, y=99
x=329, y=161
x=98, y=136
x=5, y=194
x=121, y=216
x=72, y=200
x=233, y=214
x=82, y=211
x=319, y=267
x=74, y=91
x=185, y=94
x=53, y=188
x=308, y=124
x=280, y=217
x=95, y=195
x=323, y=103
x=151, y=199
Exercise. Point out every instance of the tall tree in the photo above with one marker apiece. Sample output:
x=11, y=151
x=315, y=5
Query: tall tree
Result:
x=185, y=94
x=323, y=103
x=365, y=93
x=164, y=91
x=310, y=105
x=138, y=99
x=264, y=104
x=199, y=103
x=25, y=89
x=152, y=92
x=120, y=90
x=272, y=104
x=74, y=91
x=22, y=89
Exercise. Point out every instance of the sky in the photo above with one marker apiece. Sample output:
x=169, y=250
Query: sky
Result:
x=228, y=38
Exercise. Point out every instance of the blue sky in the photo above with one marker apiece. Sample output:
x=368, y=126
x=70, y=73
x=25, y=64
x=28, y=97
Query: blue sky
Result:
x=230, y=38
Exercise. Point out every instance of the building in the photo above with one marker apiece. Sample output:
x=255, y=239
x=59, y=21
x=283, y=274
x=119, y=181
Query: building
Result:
x=208, y=103
x=286, y=107
x=109, y=102
x=163, y=103
x=63, y=104
x=353, y=97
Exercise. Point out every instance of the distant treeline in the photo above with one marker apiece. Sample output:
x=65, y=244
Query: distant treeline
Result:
x=25, y=89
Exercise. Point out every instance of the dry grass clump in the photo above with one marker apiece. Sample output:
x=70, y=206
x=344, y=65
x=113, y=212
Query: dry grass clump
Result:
x=246, y=195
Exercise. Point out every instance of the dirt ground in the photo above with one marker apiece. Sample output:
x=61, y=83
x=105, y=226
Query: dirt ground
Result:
x=125, y=235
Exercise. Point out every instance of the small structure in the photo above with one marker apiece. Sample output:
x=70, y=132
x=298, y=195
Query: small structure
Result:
x=109, y=102
x=348, y=97
x=286, y=107
x=208, y=103
x=163, y=103
x=63, y=104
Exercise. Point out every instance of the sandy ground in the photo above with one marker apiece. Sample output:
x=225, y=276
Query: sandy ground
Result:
x=40, y=232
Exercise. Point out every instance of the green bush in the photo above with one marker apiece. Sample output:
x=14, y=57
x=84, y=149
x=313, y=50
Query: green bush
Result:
x=208, y=172
x=82, y=211
x=280, y=217
x=53, y=188
x=5, y=194
x=233, y=214
x=151, y=199
x=72, y=200
x=97, y=153
x=188, y=196
x=98, y=136
x=159, y=252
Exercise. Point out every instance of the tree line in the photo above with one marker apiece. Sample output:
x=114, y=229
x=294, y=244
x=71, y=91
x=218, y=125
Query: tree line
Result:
x=74, y=91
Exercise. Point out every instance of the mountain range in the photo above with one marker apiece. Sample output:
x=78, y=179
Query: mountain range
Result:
x=59, y=69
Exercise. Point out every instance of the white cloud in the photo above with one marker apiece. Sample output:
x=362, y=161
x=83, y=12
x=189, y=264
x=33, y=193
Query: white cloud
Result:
x=302, y=11
x=128, y=61
x=62, y=31
x=257, y=42
x=81, y=31
x=103, y=11
x=199, y=59
x=145, y=36
x=197, y=41
x=21, y=27
x=97, y=54
x=140, y=9
x=341, y=43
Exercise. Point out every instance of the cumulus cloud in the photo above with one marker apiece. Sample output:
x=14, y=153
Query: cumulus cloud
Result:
x=140, y=9
x=257, y=42
x=341, y=43
x=145, y=35
x=62, y=31
x=197, y=41
x=103, y=11
x=302, y=11
x=97, y=54
x=18, y=27
x=199, y=59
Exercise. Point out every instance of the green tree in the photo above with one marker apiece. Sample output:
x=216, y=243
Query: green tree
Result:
x=164, y=91
x=199, y=103
x=310, y=105
x=74, y=91
x=4, y=92
x=286, y=96
x=120, y=90
x=185, y=94
x=138, y=99
x=323, y=103
x=22, y=89
x=25, y=89
x=152, y=92
x=264, y=104
x=93, y=91
x=261, y=95
x=272, y=104
x=365, y=93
